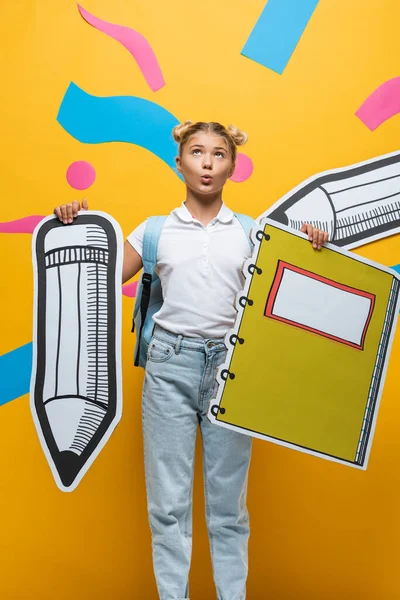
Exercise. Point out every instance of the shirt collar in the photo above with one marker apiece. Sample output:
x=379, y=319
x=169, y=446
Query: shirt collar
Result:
x=225, y=214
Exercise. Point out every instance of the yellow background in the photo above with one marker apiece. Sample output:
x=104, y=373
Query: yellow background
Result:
x=320, y=531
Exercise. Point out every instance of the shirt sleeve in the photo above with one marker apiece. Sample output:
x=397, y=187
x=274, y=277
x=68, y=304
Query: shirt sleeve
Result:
x=136, y=238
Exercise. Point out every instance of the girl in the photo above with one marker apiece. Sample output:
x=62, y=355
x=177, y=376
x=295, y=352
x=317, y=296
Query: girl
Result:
x=201, y=251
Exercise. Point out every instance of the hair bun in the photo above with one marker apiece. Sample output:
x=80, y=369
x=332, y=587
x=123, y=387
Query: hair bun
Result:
x=238, y=136
x=179, y=130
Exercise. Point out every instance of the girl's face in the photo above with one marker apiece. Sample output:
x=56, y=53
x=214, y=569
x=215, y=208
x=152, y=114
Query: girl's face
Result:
x=206, y=163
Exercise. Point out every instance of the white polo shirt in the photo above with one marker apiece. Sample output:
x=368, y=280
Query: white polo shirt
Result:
x=200, y=268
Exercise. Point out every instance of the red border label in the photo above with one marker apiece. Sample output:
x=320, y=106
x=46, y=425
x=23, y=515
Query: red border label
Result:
x=269, y=307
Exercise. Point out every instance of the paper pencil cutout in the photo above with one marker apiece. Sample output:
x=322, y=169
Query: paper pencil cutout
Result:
x=355, y=205
x=308, y=355
x=76, y=397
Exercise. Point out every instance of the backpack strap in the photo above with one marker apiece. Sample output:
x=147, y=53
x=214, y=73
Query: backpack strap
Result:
x=247, y=223
x=151, y=236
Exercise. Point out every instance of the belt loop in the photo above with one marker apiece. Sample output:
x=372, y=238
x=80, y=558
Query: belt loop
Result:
x=178, y=344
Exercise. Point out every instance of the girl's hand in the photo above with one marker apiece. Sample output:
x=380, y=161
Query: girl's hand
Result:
x=316, y=236
x=68, y=212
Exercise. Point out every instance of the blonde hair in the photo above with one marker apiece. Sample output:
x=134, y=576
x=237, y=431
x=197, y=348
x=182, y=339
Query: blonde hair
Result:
x=234, y=136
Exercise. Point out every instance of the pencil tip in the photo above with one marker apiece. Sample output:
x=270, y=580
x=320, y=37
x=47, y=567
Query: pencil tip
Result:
x=68, y=466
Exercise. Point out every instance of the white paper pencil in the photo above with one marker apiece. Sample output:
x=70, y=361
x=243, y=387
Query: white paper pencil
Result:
x=356, y=205
x=76, y=378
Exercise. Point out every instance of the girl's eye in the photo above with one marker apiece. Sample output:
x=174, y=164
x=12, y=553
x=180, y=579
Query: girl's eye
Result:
x=220, y=154
x=196, y=150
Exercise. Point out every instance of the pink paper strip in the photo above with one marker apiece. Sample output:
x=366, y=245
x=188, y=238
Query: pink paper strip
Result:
x=129, y=289
x=382, y=104
x=135, y=43
x=24, y=225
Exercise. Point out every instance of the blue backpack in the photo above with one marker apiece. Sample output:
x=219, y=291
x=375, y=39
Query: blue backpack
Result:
x=149, y=297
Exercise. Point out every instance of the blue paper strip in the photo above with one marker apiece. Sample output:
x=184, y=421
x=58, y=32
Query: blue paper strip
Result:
x=95, y=120
x=277, y=32
x=15, y=373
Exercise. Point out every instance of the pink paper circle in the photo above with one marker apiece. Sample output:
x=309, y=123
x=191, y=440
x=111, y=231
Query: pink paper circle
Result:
x=81, y=175
x=129, y=289
x=244, y=168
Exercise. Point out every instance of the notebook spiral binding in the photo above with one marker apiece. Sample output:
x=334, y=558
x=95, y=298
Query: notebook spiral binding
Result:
x=215, y=409
x=225, y=373
x=252, y=268
x=234, y=338
x=260, y=235
x=243, y=300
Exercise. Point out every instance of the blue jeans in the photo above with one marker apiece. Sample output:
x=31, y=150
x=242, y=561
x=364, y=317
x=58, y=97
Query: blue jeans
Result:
x=179, y=382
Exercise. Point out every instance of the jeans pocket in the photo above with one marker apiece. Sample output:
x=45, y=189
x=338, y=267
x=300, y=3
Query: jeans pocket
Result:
x=159, y=351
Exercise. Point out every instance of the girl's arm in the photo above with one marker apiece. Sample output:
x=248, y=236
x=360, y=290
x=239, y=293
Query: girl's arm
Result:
x=132, y=260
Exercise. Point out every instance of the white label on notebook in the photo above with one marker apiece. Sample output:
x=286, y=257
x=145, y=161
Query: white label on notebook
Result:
x=320, y=305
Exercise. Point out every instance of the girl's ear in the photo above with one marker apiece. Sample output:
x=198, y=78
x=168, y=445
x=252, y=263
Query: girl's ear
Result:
x=231, y=171
x=178, y=164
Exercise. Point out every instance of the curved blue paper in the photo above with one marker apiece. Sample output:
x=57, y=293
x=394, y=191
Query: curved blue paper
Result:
x=95, y=120
x=15, y=373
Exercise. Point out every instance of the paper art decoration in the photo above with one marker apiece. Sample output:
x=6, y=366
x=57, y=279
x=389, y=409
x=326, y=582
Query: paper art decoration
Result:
x=277, y=32
x=15, y=366
x=135, y=43
x=307, y=357
x=243, y=168
x=355, y=205
x=24, y=225
x=76, y=391
x=96, y=120
x=15, y=373
x=381, y=105
x=81, y=175
x=129, y=289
